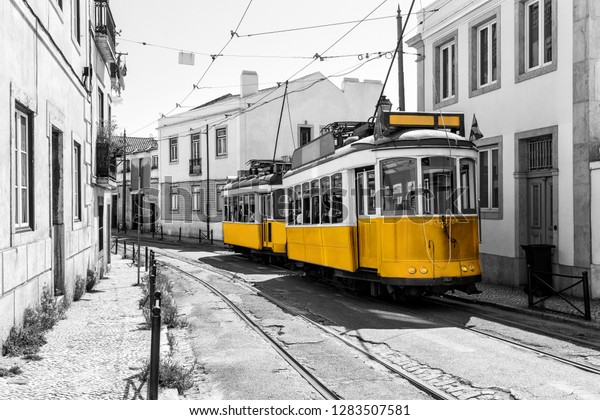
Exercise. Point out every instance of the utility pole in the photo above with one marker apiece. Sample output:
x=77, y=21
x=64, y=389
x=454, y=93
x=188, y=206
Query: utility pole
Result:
x=401, y=103
x=207, y=186
x=124, y=194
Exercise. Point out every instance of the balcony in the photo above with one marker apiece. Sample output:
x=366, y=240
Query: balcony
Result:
x=196, y=166
x=105, y=31
x=106, y=165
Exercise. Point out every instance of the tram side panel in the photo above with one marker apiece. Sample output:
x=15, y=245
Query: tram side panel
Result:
x=246, y=235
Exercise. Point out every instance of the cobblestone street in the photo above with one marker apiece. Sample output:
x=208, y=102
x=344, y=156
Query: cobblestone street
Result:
x=95, y=353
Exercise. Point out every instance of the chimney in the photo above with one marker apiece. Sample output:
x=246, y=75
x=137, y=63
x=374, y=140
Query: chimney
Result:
x=248, y=83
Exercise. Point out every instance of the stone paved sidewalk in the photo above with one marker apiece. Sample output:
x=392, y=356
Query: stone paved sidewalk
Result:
x=95, y=353
x=515, y=298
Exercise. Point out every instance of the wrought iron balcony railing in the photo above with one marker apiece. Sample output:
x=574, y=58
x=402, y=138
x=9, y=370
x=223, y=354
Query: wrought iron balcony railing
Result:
x=106, y=166
x=196, y=166
x=105, y=31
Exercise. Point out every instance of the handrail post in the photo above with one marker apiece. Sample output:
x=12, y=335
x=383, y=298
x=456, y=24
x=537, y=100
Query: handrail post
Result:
x=529, y=291
x=146, y=260
x=124, y=248
x=154, y=348
x=586, y=296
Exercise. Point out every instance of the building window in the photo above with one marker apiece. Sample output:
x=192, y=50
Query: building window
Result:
x=305, y=135
x=60, y=4
x=485, y=53
x=446, y=75
x=195, y=146
x=127, y=165
x=23, y=168
x=538, y=33
x=489, y=187
x=196, y=198
x=100, y=225
x=154, y=162
x=540, y=153
x=173, y=153
x=537, y=37
x=221, y=142
x=447, y=70
x=174, y=198
x=100, y=106
x=77, y=21
x=76, y=181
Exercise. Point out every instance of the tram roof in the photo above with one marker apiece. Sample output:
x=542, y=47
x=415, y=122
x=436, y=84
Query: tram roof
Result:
x=251, y=181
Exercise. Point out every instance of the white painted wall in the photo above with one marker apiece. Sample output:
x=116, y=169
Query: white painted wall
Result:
x=536, y=103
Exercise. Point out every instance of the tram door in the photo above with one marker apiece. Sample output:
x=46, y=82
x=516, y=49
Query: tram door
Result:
x=267, y=215
x=367, y=239
x=540, y=220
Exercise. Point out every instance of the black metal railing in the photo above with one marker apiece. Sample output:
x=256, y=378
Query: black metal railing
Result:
x=106, y=165
x=196, y=166
x=105, y=24
x=542, y=278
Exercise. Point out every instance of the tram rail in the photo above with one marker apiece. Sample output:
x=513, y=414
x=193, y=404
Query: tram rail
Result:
x=321, y=388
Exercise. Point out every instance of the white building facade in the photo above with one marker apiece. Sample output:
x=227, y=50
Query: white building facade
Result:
x=194, y=167
x=55, y=89
x=528, y=70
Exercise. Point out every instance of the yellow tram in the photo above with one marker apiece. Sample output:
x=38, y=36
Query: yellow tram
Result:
x=389, y=204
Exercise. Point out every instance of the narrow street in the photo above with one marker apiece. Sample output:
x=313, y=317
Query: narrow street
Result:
x=413, y=336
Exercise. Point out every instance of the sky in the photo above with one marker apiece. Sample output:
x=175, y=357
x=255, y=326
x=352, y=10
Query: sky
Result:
x=156, y=83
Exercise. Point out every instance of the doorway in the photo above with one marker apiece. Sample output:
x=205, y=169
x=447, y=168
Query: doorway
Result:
x=58, y=226
x=540, y=220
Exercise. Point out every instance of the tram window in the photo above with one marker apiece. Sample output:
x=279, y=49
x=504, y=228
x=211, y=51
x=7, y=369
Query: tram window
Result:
x=297, y=205
x=365, y=190
x=467, y=186
x=336, y=199
x=280, y=204
x=315, y=202
x=306, y=203
x=251, y=208
x=225, y=209
x=325, y=200
x=398, y=186
x=236, y=208
x=244, y=205
x=290, y=206
x=439, y=185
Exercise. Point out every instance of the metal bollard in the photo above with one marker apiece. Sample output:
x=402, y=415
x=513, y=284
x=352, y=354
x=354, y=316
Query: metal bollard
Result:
x=116, y=246
x=124, y=248
x=586, y=296
x=200, y=236
x=179, y=234
x=529, y=291
x=155, y=350
x=146, y=260
x=211, y=237
x=161, y=234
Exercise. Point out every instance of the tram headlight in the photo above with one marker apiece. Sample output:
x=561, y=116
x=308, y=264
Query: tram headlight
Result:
x=424, y=270
x=412, y=270
x=463, y=268
x=471, y=267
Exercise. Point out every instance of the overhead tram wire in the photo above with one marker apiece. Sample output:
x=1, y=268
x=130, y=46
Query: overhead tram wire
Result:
x=317, y=56
x=177, y=105
x=325, y=25
x=220, y=121
x=400, y=39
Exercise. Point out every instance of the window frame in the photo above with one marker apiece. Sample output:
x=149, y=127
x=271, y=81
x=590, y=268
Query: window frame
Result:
x=486, y=21
x=522, y=72
x=220, y=199
x=311, y=134
x=21, y=111
x=174, y=197
x=197, y=198
x=221, y=139
x=195, y=146
x=488, y=145
x=154, y=159
x=77, y=184
x=438, y=47
x=173, y=149
x=77, y=22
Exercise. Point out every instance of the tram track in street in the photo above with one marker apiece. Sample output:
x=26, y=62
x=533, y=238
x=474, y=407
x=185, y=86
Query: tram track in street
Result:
x=418, y=383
